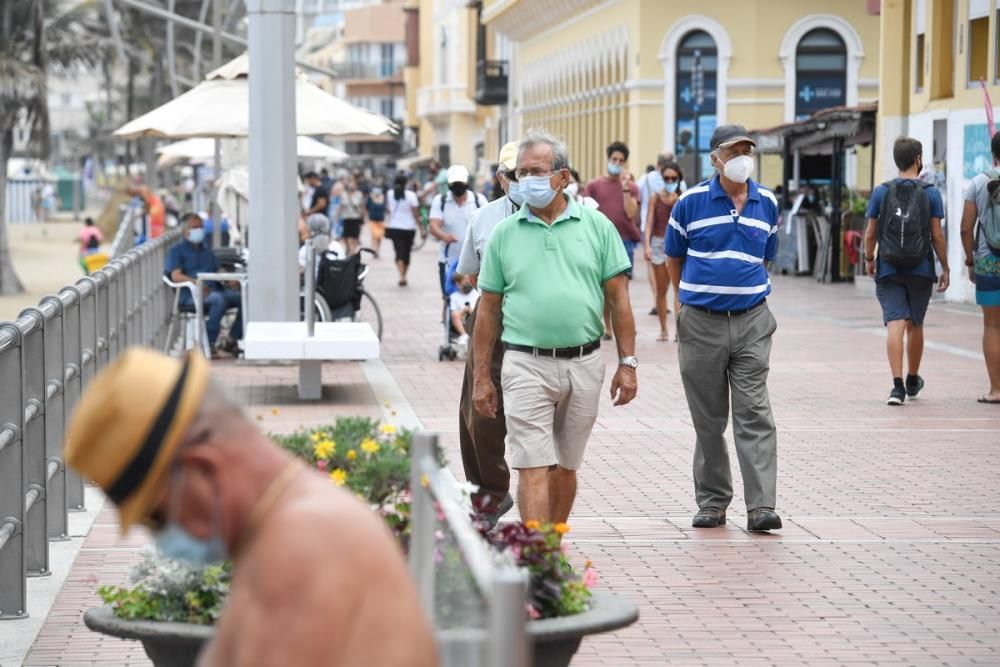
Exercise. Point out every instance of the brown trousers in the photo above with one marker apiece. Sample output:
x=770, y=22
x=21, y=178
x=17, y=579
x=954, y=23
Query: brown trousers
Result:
x=481, y=438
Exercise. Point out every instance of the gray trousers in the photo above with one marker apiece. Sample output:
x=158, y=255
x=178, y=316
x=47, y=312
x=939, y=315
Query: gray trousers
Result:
x=721, y=355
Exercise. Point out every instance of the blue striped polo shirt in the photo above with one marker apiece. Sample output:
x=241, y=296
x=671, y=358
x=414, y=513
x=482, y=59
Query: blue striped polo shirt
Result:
x=724, y=252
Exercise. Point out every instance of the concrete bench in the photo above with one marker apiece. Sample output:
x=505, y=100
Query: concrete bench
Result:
x=289, y=341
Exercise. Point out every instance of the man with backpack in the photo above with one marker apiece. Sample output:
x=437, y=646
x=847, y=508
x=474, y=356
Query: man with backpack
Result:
x=450, y=215
x=982, y=258
x=904, y=220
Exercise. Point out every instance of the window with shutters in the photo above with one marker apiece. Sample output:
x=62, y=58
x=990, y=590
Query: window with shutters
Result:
x=920, y=44
x=979, y=40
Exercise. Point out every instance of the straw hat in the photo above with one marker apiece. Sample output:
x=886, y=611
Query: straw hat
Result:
x=130, y=422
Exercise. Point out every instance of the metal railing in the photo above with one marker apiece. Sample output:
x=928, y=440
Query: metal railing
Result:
x=501, y=641
x=47, y=356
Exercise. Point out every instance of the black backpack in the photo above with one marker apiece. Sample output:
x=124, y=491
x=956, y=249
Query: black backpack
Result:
x=904, y=224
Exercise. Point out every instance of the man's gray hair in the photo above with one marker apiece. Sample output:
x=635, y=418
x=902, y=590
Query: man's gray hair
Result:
x=560, y=156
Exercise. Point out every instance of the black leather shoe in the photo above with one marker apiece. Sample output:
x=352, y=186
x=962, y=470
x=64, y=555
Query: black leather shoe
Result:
x=763, y=518
x=709, y=517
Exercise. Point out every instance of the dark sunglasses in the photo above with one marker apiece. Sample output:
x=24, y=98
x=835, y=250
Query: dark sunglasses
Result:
x=510, y=176
x=670, y=179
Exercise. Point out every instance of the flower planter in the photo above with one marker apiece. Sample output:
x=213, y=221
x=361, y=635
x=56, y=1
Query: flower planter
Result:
x=556, y=640
x=166, y=644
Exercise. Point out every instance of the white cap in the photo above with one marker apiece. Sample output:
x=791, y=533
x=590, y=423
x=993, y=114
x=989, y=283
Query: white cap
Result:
x=458, y=174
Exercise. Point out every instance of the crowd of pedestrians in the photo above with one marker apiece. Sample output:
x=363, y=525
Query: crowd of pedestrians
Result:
x=536, y=280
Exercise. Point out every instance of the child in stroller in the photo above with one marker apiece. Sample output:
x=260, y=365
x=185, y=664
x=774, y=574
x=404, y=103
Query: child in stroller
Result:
x=461, y=297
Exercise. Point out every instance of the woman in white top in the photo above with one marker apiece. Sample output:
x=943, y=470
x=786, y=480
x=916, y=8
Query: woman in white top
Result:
x=401, y=226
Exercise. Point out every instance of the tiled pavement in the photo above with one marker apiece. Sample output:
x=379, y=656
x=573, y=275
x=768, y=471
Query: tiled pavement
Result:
x=891, y=551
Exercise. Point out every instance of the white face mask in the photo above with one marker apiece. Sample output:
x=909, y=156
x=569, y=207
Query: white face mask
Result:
x=572, y=189
x=738, y=169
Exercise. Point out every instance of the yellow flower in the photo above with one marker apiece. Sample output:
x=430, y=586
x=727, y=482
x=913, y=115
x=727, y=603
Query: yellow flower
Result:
x=561, y=528
x=351, y=455
x=369, y=446
x=338, y=476
x=532, y=525
x=324, y=449
x=316, y=437
x=274, y=411
x=387, y=429
x=424, y=481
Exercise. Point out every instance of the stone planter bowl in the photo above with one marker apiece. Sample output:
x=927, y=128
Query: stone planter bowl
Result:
x=555, y=640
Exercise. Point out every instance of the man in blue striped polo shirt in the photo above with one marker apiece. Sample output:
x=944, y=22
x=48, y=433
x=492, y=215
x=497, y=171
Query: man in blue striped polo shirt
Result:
x=721, y=233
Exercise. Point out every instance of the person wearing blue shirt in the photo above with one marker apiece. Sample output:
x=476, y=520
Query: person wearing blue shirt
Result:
x=905, y=292
x=193, y=256
x=720, y=235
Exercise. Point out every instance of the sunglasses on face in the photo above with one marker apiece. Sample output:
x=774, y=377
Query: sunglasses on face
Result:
x=510, y=176
x=670, y=179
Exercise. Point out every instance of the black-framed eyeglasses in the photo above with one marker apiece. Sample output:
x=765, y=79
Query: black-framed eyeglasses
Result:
x=521, y=173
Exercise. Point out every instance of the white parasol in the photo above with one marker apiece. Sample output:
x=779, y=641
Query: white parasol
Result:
x=220, y=107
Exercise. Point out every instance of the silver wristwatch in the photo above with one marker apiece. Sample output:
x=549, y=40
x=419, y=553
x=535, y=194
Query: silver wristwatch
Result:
x=631, y=362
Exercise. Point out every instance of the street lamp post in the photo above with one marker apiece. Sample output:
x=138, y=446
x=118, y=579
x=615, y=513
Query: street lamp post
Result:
x=274, y=272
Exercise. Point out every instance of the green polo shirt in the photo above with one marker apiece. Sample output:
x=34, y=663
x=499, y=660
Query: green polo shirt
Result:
x=552, y=276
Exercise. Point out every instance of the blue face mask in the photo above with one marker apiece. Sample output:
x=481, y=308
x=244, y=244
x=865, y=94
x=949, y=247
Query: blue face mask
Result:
x=537, y=191
x=670, y=187
x=514, y=192
x=196, y=235
x=175, y=542
x=614, y=169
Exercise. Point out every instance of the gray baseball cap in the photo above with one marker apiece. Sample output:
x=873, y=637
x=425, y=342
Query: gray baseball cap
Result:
x=727, y=135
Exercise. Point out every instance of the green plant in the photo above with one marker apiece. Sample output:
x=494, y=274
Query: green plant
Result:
x=372, y=460
x=170, y=590
x=555, y=587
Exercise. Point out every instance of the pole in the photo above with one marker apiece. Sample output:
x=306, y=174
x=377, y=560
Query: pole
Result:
x=274, y=270
x=310, y=288
x=213, y=206
x=838, y=189
x=697, y=89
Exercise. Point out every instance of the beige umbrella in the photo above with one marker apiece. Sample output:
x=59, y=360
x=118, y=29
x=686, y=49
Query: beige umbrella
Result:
x=220, y=107
x=202, y=149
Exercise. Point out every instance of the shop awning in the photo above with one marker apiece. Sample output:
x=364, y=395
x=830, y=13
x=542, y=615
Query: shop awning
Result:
x=816, y=135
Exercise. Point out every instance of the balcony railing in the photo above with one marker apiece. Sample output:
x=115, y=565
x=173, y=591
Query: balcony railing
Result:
x=491, y=82
x=367, y=71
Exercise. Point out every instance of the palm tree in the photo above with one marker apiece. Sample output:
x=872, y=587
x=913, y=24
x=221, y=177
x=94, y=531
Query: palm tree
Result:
x=34, y=35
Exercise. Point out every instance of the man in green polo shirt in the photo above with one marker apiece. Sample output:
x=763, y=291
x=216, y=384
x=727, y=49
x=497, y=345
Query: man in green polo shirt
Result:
x=547, y=271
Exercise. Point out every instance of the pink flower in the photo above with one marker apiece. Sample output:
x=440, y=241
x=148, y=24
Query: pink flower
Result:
x=321, y=464
x=590, y=577
x=532, y=612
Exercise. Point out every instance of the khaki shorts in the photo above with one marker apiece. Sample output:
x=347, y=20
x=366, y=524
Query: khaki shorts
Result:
x=551, y=406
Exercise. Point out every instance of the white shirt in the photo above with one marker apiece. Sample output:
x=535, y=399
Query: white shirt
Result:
x=459, y=301
x=401, y=217
x=454, y=220
x=483, y=222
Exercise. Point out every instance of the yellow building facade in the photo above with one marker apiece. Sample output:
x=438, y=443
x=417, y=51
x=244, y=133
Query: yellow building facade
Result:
x=444, y=39
x=594, y=71
x=933, y=55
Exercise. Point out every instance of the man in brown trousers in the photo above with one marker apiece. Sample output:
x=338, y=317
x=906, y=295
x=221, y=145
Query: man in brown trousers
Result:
x=482, y=439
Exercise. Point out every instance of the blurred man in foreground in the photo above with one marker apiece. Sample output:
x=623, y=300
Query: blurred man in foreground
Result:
x=317, y=579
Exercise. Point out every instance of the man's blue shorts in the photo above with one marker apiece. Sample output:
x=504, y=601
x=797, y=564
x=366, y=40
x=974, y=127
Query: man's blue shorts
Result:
x=630, y=247
x=904, y=297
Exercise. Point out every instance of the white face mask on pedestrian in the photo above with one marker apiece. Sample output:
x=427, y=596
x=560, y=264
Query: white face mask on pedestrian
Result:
x=738, y=169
